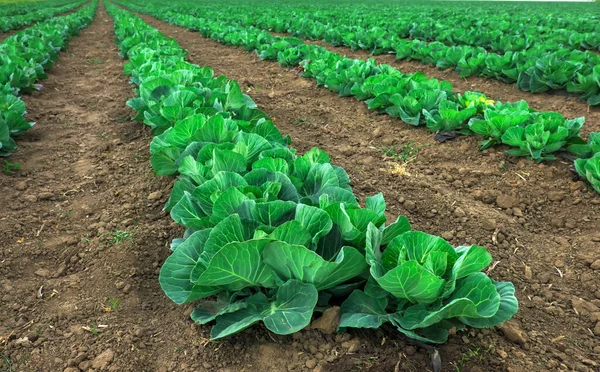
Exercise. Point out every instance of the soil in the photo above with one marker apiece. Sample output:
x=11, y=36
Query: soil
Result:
x=83, y=227
x=4, y=35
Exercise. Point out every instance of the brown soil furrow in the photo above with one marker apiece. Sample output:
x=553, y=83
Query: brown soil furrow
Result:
x=10, y=33
x=538, y=223
x=77, y=228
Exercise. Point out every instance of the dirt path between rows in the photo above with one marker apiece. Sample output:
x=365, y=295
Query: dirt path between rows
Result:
x=83, y=235
x=4, y=35
x=540, y=225
x=81, y=229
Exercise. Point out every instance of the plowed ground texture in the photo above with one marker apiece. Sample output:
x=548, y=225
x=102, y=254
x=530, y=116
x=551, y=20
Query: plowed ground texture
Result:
x=83, y=234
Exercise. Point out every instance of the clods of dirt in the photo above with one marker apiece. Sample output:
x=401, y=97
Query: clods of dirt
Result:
x=84, y=234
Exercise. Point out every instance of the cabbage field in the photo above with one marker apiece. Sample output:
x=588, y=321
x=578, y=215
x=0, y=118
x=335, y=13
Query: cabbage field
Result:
x=315, y=186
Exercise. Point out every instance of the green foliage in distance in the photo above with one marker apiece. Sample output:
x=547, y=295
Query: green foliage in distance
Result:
x=414, y=98
x=550, y=49
x=22, y=15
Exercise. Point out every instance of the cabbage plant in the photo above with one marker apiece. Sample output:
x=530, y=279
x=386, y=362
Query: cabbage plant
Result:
x=498, y=119
x=589, y=169
x=549, y=132
x=423, y=286
x=587, y=149
x=12, y=122
x=449, y=117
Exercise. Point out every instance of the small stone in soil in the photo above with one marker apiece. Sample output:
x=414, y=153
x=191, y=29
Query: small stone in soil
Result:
x=60, y=271
x=528, y=273
x=597, y=329
x=513, y=333
x=556, y=196
x=410, y=205
x=558, y=222
x=30, y=198
x=458, y=212
x=311, y=363
x=559, y=263
x=489, y=225
x=583, y=307
x=352, y=345
x=448, y=235
x=378, y=132
x=347, y=150
x=328, y=322
x=506, y=201
x=79, y=358
x=45, y=196
x=21, y=186
x=155, y=195
x=43, y=273
x=410, y=350
x=102, y=360
x=570, y=223
x=388, y=141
